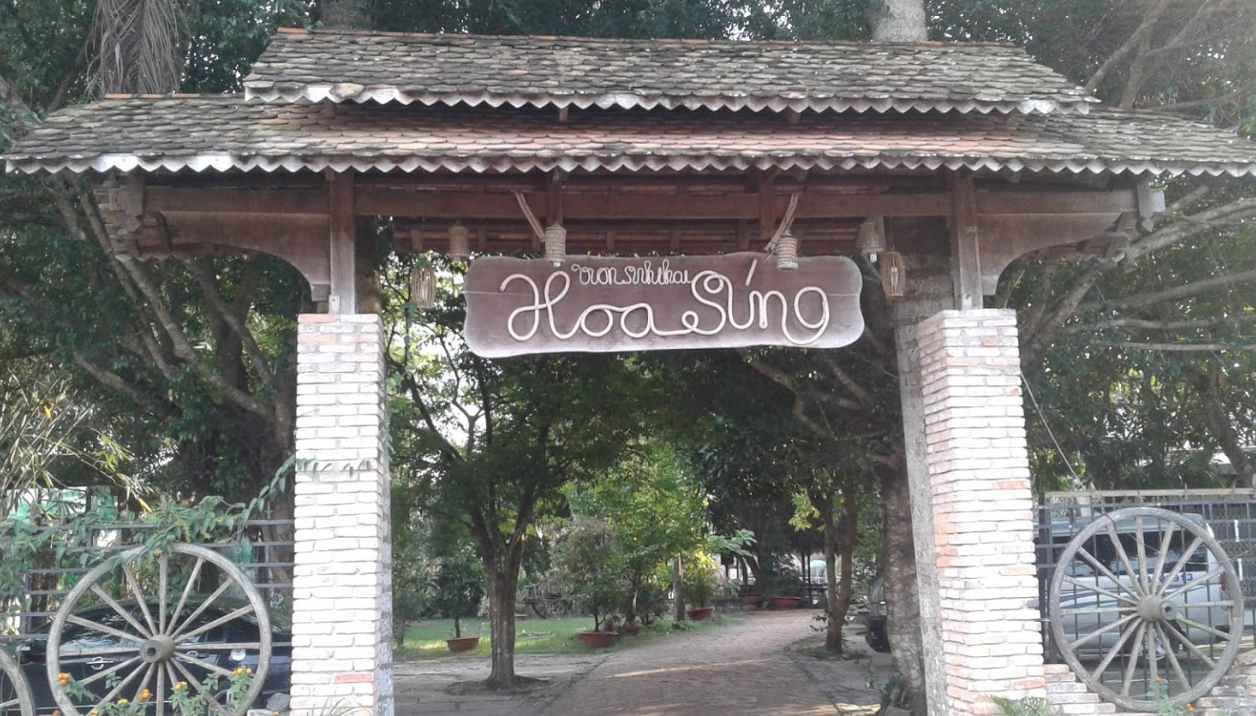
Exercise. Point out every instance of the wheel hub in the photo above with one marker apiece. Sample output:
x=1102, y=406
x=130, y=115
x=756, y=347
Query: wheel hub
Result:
x=1155, y=608
x=157, y=649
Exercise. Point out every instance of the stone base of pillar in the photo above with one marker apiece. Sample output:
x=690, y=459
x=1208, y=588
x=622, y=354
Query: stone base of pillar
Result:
x=342, y=581
x=987, y=590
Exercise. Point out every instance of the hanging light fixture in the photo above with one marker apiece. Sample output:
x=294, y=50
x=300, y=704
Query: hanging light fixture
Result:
x=893, y=274
x=459, y=243
x=423, y=285
x=555, y=239
x=871, y=239
x=787, y=252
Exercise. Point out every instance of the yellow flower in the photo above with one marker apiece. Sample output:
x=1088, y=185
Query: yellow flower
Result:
x=123, y=702
x=181, y=686
x=143, y=695
x=237, y=672
x=63, y=678
x=1190, y=708
x=248, y=672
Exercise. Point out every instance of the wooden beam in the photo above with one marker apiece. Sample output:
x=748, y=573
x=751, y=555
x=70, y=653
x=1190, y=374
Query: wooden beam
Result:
x=342, y=299
x=237, y=200
x=1056, y=202
x=965, y=244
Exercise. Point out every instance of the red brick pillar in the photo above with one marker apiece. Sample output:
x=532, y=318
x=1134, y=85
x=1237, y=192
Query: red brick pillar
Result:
x=987, y=590
x=342, y=581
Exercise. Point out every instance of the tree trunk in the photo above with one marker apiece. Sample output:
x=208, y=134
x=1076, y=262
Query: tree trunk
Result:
x=899, y=577
x=839, y=591
x=898, y=20
x=678, y=585
x=503, y=582
x=833, y=633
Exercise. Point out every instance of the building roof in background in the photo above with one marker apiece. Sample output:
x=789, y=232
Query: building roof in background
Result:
x=560, y=72
x=222, y=133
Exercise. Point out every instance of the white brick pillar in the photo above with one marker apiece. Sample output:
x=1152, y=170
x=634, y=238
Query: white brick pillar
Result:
x=982, y=529
x=342, y=581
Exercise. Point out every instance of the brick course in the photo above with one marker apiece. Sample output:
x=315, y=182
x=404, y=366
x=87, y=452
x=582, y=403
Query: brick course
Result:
x=342, y=581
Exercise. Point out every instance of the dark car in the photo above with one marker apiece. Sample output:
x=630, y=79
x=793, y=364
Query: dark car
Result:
x=877, y=634
x=86, y=652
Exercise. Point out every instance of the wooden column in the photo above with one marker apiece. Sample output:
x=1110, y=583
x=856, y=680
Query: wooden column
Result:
x=965, y=245
x=341, y=245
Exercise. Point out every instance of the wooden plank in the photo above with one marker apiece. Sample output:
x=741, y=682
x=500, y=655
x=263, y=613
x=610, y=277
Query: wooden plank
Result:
x=238, y=201
x=342, y=300
x=965, y=244
x=1056, y=202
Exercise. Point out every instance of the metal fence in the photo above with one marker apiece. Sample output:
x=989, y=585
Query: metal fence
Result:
x=1230, y=517
x=265, y=558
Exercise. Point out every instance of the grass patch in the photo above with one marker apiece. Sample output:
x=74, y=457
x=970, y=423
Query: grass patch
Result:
x=426, y=640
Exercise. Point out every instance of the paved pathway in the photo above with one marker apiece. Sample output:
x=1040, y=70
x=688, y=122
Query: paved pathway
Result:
x=755, y=667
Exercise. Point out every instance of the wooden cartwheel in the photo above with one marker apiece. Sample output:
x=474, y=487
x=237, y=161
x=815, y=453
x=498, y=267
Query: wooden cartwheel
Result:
x=15, y=694
x=159, y=604
x=1145, y=605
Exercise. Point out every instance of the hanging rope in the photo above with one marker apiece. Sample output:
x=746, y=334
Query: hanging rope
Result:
x=786, y=222
x=527, y=212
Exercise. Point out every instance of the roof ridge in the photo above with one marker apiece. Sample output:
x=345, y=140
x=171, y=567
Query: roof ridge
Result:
x=169, y=95
x=667, y=40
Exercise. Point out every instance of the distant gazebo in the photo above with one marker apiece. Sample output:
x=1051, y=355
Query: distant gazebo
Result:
x=957, y=157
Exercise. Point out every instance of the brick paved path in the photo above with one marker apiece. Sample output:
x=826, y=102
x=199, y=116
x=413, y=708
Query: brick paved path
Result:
x=752, y=667
x=739, y=670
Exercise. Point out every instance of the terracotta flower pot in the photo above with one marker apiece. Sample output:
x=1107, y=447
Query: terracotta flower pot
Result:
x=751, y=600
x=465, y=643
x=785, y=602
x=701, y=613
x=598, y=639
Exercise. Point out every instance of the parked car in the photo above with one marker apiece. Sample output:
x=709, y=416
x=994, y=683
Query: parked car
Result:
x=107, y=650
x=877, y=633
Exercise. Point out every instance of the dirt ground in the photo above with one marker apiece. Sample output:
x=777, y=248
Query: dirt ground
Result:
x=763, y=665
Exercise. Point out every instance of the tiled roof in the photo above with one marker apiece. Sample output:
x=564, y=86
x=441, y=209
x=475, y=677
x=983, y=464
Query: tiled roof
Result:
x=223, y=133
x=648, y=74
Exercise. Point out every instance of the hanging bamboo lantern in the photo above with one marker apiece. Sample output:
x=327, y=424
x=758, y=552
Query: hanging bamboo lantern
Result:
x=555, y=244
x=787, y=252
x=871, y=239
x=423, y=285
x=893, y=274
x=459, y=243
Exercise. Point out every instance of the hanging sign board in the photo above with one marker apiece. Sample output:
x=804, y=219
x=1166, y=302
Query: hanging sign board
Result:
x=598, y=305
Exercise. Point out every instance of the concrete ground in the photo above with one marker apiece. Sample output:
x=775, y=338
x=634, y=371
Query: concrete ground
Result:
x=760, y=666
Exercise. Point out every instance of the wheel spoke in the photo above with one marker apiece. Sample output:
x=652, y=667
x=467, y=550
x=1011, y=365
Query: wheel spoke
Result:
x=1171, y=655
x=139, y=595
x=1112, y=653
x=1125, y=560
x=117, y=689
x=1190, y=645
x=183, y=599
x=1141, y=544
x=1165, y=540
x=1132, y=664
x=94, y=626
x=1205, y=628
x=1195, y=582
x=96, y=651
x=1103, y=630
x=193, y=684
x=163, y=579
x=1153, y=659
x=221, y=646
x=247, y=609
x=221, y=671
x=222, y=588
x=111, y=670
x=135, y=624
x=1103, y=570
x=148, y=677
x=160, y=695
x=1181, y=563
x=1100, y=590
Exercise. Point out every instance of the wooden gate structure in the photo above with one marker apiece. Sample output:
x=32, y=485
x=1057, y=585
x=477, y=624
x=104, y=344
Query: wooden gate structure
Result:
x=969, y=155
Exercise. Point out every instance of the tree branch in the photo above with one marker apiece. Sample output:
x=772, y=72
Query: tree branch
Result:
x=1189, y=226
x=1189, y=290
x=210, y=286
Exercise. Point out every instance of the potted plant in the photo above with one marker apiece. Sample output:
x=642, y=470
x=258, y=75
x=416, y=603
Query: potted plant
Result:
x=786, y=590
x=457, y=591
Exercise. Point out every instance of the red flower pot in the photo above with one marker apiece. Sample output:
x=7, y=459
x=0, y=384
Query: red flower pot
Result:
x=598, y=639
x=701, y=613
x=465, y=643
x=785, y=602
